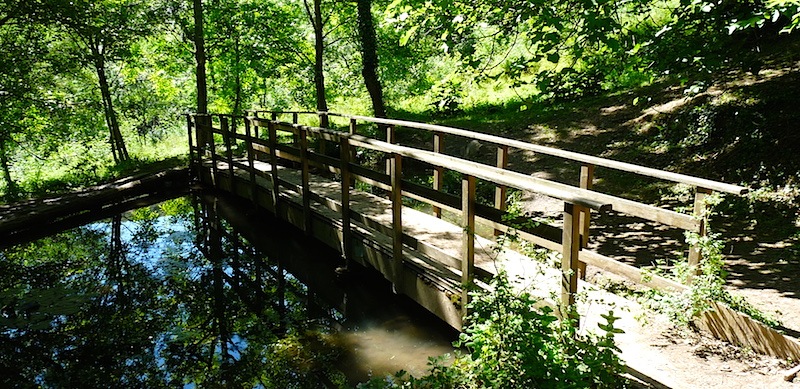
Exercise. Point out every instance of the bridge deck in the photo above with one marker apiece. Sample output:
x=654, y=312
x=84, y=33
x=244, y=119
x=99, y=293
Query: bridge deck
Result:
x=432, y=244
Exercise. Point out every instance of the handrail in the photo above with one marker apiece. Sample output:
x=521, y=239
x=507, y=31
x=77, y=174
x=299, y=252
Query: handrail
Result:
x=521, y=181
x=570, y=155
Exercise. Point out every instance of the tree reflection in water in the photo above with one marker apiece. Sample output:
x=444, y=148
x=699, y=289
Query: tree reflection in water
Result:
x=133, y=303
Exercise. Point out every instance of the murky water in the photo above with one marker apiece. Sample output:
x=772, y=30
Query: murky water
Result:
x=200, y=292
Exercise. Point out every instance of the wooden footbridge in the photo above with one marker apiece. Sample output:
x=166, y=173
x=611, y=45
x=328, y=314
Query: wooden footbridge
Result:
x=346, y=188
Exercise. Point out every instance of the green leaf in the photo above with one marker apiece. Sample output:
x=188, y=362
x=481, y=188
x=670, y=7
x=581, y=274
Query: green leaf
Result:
x=408, y=34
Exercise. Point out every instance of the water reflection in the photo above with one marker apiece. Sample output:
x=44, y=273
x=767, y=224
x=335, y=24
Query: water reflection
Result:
x=198, y=292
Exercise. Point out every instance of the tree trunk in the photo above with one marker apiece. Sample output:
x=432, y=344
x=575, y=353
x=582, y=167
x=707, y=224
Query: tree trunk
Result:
x=237, y=78
x=369, y=57
x=11, y=186
x=319, y=51
x=200, y=58
x=118, y=148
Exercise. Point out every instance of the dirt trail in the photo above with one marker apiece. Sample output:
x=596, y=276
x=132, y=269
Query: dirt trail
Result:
x=762, y=245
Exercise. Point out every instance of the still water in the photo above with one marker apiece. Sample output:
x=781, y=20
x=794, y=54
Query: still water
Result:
x=200, y=291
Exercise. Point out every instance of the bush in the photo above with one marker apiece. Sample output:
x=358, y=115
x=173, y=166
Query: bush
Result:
x=512, y=343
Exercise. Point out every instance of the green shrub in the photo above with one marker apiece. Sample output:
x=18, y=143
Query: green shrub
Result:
x=510, y=341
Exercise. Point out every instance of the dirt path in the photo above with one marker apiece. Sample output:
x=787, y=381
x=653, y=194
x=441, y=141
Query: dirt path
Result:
x=762, y=235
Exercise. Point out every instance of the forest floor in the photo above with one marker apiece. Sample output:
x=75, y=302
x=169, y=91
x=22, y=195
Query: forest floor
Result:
x=740, y=129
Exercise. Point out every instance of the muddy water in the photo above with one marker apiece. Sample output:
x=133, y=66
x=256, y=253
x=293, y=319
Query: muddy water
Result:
x=197, y=292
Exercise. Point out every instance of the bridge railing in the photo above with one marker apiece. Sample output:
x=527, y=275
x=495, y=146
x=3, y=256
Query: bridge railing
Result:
x=694, y=222
x=260, y=139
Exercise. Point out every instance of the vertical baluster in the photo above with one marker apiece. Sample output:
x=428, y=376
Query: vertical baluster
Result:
x=224, y=126
x=468, y=189
x=571, y=246
x=303, y=135
x=500, y=191
x=249, y=124
x=213, y=147
x=295, y=120
x=586, y=182
x=273, y=159
x=395, y=174
x=390, y=138
x=695, y=256
x=193, y=156
x=344, y=155
x=353, y=131
x=438, y=171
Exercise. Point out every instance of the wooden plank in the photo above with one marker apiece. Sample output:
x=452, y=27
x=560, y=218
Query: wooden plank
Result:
x=226, y=137
x=597, y=161
x=630, y=272
x=468, y=189
x=251, y=159
x=306, y=192
x=726, y=324
x=501, y=190
x=396, y=174
x=695, y=255
x=571, y=246
x=391, y=139
x=511, y=179
x=586, y=181
x=347, y=239
x=438, y=171
x=273, y=159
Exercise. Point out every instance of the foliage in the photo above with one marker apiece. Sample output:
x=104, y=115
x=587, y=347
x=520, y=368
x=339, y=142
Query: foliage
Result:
x=707, y=282
x=512, y=340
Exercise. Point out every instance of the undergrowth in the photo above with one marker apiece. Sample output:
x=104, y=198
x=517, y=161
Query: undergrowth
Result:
x=706, y=281
x=512, y=341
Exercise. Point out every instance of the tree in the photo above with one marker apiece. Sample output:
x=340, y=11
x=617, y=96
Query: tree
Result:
x=200, y=57
x=103, y=34
x=369, y=57
x=318, y=25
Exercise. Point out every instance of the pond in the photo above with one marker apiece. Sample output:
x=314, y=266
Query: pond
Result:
x=201, y=291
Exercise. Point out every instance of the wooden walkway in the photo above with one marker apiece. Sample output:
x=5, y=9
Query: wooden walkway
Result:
x=35, y=218
x=311, y=177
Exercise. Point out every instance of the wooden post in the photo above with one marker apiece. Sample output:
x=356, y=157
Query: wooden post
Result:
x=353, y=126
x=212, y=144
x=586, y=182
x=193, y=155
x=344, y=155
x=273, y=160
x=468, y=189
x=248, y=124
x=571, y=245
x=396, y=175
x=390, y=138
x=295, y=119
x=695, y=256
x=303, y=134
x=353, y=131
x=202, y=126
x=500, y=191
x=323, y=123
x=224, y=126
x=438, y=171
